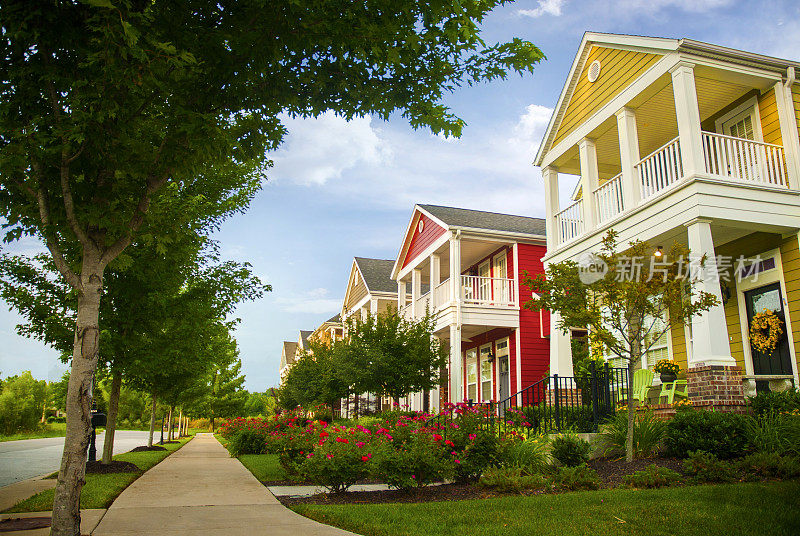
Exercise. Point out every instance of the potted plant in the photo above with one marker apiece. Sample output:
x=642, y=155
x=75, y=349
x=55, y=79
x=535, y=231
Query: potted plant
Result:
x=668, y=369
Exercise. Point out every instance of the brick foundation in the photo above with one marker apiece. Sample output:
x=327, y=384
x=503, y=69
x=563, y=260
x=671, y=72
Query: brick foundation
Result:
x=717, y=388
x=566, y=397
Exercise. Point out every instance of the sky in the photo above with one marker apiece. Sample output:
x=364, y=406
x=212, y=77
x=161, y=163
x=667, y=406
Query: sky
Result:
x=341, y=189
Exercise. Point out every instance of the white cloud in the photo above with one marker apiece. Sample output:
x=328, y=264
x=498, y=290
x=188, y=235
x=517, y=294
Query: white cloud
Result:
x=320, y=149
x=545, y=7
x=653, y=6
x=312, y=301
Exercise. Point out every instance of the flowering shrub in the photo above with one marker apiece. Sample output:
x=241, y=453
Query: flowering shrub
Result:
x=418, y=462
x=338, y=460
x=246, y=442
x=667, y=366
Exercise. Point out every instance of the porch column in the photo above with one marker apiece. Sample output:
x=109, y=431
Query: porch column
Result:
x=435, y=277
x=373, y=306
x=688, y=115
x=560, y=348
x=456, y=394
x=455, y=268
x=709, y=330
x=791, y=142
x=401, y=294
x=416, y=292
x=629, y=157
x=590, y=180
x=550, y=177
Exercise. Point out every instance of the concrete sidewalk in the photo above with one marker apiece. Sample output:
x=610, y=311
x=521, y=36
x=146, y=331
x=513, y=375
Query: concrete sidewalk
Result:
x=200, y=489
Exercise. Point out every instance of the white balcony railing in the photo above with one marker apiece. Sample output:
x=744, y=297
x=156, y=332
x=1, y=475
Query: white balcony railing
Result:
x=608, y=199
x=441, y=294
x=423, y=303
x=569, y=222
x=488, y=290
x=746, y=160
x=660, y=169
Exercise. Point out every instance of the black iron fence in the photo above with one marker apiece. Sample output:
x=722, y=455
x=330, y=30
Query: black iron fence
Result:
x=578, y=403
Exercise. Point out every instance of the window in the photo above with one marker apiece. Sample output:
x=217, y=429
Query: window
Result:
x=660, y=347
x=486, y=373
x=472, y=375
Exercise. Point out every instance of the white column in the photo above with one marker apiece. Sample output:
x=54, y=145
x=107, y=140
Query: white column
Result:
x=401, y=294
x=456, y=394
x=435, y=267
x=590, y=180
x=709, y=330
x=455, y=268
x=373, y=306
x=550, y=177
x=688, y=115
x=416, y=292
x=791, y=142
x=560, y=348
x=629, y=157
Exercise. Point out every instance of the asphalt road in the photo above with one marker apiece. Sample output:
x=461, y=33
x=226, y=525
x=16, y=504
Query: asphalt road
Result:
x=27, y=458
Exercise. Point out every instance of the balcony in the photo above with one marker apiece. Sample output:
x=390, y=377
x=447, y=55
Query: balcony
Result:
x=489, y=292
x=737, y=160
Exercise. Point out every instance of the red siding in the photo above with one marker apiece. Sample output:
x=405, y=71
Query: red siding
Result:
x=420, y=241
x=480, y=340
x=535, y=350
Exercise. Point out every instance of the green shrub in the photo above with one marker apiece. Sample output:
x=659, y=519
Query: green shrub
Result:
x=421, y=462
x=766, y=403
x=512, y=480
x=337, y=464
x=774, y=432
x=577, y=478
x=770, y=464
x=652, y=476
x=706, y=467
x=21, y=402
x=246, y=442
x=722, y=434
x=648, y=433
x=479, y=453
x=570, y=450
x=529, y=455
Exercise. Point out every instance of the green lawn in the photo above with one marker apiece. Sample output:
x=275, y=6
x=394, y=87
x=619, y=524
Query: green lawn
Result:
x=101, y=490
x=264, y=466
x=731, y=509
x=56, y=429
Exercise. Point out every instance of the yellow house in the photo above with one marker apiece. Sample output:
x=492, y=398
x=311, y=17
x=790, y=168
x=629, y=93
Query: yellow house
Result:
x=679, y=140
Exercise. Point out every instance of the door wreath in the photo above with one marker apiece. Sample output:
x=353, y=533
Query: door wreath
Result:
x=766, y=329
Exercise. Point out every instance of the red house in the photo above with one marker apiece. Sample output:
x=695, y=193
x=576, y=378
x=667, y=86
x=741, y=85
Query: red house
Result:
x=472, y=263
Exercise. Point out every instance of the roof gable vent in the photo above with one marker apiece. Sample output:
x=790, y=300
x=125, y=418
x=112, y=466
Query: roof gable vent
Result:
x=594, y=71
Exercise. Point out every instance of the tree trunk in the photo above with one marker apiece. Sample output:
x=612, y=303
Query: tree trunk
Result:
x=631, y=417
x=355, y=406
x=152, y=422
x=169, y=424
x=212, y=421
x=426, y=401
x=180, y=424
x=66, y=520
x=111, y=418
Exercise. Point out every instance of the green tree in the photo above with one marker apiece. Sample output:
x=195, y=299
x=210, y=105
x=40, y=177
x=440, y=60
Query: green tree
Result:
x=107, y=104
x=388, y=355
x=22, y=403
x=625, y=312
x=316, y=377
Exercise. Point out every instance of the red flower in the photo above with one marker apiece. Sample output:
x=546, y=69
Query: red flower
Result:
x=324, y=434
x=448, y=442
x=437, y=437
x=342, y=440
x=364, y=458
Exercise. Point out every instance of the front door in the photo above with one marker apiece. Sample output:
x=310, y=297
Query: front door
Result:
x=503, y=370
x=484, y=282
x=764, y=298
x=502, y=294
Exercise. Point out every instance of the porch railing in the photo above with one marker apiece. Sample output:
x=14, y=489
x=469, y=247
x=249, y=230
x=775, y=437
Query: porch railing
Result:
x=608, y=199
x=569, y=222
x=441, y=294
x=747, y=160
x=660, y=169
x=488, y=290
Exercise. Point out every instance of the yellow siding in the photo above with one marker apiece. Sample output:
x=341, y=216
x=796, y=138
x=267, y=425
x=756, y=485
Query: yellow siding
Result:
x=770, y=125
x=734, y=325
x=796, y=99
x=678, y=335
x=790, y=257
x=619, y=68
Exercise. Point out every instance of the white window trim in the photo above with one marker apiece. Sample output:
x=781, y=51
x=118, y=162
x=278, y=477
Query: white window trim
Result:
x=496, y=389
x=750, y=105
x=467, y=361
x=767, y=277
x=480, y=370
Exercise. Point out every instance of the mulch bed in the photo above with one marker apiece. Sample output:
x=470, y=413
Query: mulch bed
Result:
x=147, y=449
x=115, y=466
x=444, y=492
x=611, y=470
x=24, y=523
x=307, y=483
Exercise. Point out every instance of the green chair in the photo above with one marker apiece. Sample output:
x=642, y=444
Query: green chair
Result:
x=670, y=390
x=642, y=382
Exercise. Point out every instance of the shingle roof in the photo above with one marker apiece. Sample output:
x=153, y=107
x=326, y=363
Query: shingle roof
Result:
x=334, y=319
x=289, y=349
x=377, y=274
x=304, y=336
x=491, y=221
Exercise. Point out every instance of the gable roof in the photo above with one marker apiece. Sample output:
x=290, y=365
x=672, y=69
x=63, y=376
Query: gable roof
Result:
x=377, y=274
x=289, y=351
x=489, y=221
x=655, y=45
x=336, y=319
x=304, y=334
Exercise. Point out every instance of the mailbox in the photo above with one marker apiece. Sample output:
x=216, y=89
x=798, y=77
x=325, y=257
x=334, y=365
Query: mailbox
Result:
x=98, y=419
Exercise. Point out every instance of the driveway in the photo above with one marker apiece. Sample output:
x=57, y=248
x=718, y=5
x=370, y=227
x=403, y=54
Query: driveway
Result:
x=27, y=458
